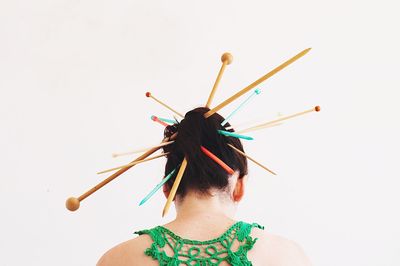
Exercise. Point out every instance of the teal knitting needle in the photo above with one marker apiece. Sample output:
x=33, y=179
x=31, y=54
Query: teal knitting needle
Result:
x=235, y=135
x=255, y=92
x=157, y=187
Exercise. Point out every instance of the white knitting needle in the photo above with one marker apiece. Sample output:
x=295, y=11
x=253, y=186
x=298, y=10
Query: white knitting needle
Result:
x=142, y=150
x=133, y=163
x=268, y=124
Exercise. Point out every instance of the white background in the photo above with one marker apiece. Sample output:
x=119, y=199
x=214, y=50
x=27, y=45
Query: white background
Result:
x=73, y=76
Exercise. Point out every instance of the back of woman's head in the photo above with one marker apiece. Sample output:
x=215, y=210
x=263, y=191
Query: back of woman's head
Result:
x=202, y=173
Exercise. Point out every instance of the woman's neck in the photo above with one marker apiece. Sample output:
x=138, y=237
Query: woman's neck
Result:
x=204, y=207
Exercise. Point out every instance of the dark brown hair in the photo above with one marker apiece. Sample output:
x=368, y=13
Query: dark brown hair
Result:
x=202, y=173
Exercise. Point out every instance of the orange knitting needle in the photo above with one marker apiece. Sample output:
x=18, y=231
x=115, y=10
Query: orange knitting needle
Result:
x=251, y=159
x=174, y=188
x=226, y=59
x=156, y=119
x=148, y=94
x=255, y=83
x=73, y=203
x=217, y=160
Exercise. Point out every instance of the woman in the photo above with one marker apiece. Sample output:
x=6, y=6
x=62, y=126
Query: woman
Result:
x=204, y=231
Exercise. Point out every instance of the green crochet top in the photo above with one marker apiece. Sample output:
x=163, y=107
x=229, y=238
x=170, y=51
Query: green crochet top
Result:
x=172, y=250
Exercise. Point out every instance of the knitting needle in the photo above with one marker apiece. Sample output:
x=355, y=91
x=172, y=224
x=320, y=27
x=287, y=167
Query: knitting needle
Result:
x=232, y=134
x=133, y=163
x=255, y=83
x=255, y=92
x=166, y=120
x=273, y=125
x=174, y=188
x=267, y=124
x=156, y=119
x=217, y=160
x=251, y=159
x=142, y=150
x=226, y=59
x=148, y=94
x=73, y=203
x=165, y=179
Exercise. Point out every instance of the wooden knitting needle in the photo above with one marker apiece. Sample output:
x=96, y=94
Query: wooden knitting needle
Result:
x=255, y=83
x=174, y=187
x=142, y=150
x=226, y=59
x=251, y=159
x=148, y=94
x=133, y=163
x=73, y=203
x=268, y=124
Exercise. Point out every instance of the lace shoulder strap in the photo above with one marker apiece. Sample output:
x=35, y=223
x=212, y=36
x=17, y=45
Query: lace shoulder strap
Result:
x=172, y=250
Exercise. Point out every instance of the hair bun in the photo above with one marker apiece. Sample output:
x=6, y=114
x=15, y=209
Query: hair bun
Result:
x=202, y=173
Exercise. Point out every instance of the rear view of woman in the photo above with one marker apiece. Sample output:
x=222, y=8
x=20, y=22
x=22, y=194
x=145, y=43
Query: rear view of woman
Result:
x=205, y=231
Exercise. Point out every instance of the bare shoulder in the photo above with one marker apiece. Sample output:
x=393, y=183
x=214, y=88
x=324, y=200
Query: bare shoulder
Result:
x=273, y=250
x=130, y=253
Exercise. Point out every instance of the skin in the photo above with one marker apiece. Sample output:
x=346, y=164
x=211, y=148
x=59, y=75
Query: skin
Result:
x=204, y=217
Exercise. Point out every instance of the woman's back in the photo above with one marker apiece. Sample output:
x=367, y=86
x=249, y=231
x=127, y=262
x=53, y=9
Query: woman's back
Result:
x=204, y=231
x=269, y=250
x=244, y=244
x=230, y=247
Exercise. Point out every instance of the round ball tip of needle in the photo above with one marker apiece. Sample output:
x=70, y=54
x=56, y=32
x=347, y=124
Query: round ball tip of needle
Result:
x=148, y=94
x=227, y=57
x=317, y=108
x=257, y=91
x=72, y=204
x=153, y=117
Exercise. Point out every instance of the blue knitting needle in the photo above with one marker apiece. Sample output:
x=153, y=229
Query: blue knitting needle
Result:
x=235, y=135
x=157, y=187
x=255, y=92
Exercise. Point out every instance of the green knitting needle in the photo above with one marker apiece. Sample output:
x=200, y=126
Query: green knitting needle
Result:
x=157, y=187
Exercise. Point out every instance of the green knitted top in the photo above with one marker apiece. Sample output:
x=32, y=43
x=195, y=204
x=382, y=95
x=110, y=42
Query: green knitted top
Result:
x=172, y=250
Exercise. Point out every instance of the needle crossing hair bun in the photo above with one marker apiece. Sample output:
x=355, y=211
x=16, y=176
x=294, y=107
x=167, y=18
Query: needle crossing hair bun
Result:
x=202, y=173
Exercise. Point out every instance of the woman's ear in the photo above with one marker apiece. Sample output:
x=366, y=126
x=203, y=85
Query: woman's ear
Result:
x=166, y=191
x=239, y=189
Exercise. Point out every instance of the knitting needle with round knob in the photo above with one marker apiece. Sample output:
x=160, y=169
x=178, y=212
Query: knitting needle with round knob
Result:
x=268, y=124
x=251, y=159
x=226, y=59
x=134, y=163
x=73, y=203
x=148, y=94
x=174, y=188
x=256, y=83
